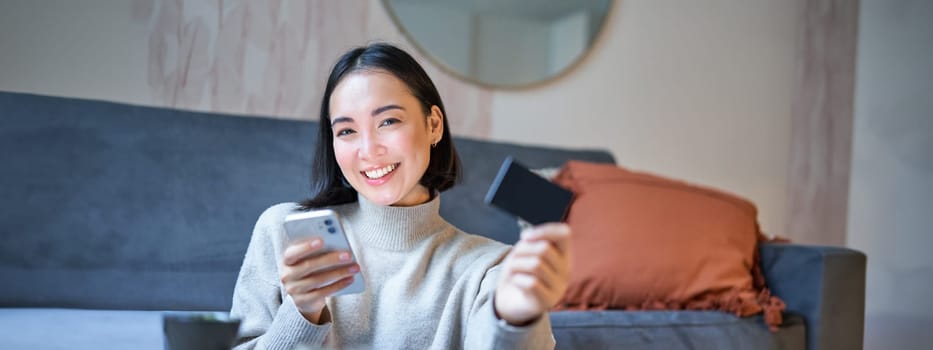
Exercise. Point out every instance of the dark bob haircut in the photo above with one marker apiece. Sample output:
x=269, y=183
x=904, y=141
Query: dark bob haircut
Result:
x=328, y=185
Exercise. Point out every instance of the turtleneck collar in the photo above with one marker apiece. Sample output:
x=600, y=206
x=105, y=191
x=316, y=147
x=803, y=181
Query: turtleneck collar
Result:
x=395, y=228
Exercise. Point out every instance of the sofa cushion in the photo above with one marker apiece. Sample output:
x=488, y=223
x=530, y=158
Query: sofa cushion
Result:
x=646, y=242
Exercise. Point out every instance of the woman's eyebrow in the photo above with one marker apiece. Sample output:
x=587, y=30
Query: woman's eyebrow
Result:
x=338, y=120
x=379, y=110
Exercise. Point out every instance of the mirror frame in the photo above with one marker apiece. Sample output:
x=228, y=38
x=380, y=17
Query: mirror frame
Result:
x=446, y=68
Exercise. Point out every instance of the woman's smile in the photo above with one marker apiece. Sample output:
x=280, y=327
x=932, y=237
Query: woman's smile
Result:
x=378, y=176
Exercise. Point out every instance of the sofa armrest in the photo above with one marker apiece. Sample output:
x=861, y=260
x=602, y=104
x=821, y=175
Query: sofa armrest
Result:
x=825, y=285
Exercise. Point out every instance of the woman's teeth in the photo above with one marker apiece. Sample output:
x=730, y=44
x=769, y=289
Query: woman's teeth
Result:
x=377, y=173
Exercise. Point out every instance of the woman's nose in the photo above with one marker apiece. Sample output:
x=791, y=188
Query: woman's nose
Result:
x=371, y=147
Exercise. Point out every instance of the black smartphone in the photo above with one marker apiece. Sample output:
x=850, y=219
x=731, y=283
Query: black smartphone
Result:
x=524, y=194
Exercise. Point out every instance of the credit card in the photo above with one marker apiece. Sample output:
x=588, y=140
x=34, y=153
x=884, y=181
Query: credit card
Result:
x=526, y=195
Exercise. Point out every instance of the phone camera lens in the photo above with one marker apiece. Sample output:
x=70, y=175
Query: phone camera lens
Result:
x=331, y=230
x=328, y=222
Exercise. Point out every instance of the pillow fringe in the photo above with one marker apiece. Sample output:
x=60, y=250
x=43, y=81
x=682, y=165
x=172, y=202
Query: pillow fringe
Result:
x=742, y=303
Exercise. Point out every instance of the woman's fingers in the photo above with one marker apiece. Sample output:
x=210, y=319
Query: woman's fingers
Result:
x=539, y=262
x=316, y=299
x=535, y=273
x=546, y=286
x=534, y=267
x=557, y=234
x=321, y=279
x=295, y=251
x=312, y=264
x=310, y=275
x=541, y=252
x=537, y=287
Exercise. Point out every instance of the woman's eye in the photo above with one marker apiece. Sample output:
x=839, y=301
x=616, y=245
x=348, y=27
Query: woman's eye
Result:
x=388, y=122
x=345, y=132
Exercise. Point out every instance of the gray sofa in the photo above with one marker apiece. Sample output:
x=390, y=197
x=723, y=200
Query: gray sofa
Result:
x=111, y=213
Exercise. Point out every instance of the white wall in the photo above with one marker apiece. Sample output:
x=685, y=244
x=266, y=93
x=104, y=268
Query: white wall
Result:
x=891, y=193
x=696, y=90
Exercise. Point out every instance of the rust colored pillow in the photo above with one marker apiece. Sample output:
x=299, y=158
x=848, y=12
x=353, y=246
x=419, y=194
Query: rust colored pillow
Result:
x=646, y=242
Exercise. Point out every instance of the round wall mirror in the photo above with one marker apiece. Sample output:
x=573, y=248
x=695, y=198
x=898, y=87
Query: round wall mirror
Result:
x=501, y=43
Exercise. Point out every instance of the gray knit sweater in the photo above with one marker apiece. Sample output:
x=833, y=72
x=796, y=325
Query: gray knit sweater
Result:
x=428, y=286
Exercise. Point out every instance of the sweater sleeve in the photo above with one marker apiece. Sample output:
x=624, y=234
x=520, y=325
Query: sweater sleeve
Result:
x=267, y=320
x=486, y=331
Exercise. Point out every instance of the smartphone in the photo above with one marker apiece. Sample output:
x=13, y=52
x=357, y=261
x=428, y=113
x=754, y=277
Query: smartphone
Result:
x=324, y=224
x=526, y=195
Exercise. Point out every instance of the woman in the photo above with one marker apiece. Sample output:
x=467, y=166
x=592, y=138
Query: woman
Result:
x=384, y=154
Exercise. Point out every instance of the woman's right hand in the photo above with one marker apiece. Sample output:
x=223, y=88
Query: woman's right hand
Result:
x=310, y=277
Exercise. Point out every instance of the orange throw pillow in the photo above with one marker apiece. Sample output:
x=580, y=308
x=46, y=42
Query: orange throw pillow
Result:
x=644, y=242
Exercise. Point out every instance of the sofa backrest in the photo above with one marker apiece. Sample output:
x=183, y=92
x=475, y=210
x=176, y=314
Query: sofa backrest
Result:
x=107, y=205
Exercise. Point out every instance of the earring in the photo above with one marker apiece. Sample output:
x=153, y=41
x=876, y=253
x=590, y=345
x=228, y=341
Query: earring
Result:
x=434, y=145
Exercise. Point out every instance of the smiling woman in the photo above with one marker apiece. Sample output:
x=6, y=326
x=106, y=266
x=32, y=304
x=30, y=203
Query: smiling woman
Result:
x=383, y=157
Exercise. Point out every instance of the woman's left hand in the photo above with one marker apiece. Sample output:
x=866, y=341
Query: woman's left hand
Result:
x=534, y=274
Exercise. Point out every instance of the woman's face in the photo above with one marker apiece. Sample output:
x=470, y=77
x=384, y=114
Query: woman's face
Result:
x=382, y=139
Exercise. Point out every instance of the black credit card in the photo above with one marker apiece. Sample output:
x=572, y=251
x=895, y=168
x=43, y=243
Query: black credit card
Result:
x=522, y=193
